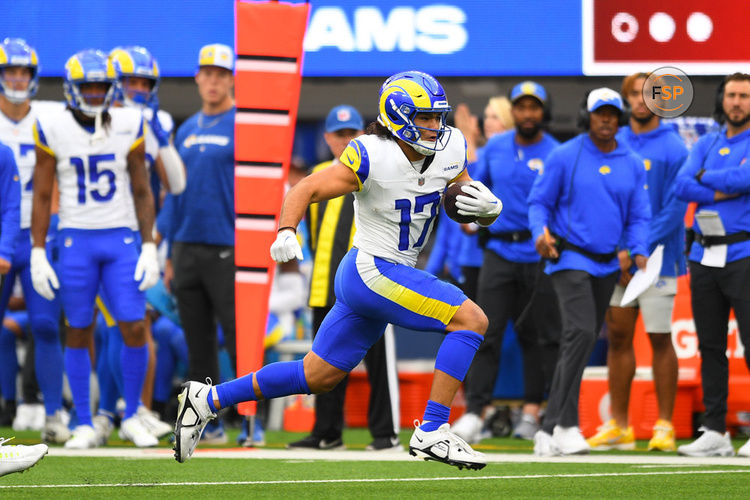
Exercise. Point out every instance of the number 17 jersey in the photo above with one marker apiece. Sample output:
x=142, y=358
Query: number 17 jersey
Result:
x=92, y=174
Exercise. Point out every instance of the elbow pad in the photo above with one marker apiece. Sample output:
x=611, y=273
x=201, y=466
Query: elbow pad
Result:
x=174, y=168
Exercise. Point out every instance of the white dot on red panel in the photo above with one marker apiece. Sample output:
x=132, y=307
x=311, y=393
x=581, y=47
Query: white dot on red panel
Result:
x=661, y=26
x=699, y=27
x=624, y=27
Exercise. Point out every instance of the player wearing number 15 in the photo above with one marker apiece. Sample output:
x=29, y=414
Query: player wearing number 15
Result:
x=97, y=155
x=398, y=172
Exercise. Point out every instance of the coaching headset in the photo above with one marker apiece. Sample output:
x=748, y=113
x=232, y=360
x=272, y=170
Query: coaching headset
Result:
x=584, y=115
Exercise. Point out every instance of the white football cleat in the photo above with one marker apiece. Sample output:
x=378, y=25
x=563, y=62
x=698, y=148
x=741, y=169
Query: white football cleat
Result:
x=442, y=445
x=18, y=458
x=131, y=429
x=84, y=437
x=744, y=450
x=152, y=423
x=56, y=428
x=27, y=417
x=103, y=426
x=545, y=445
x=709, y=444
x=468, y=427
x=193, y=414
x=570, y=441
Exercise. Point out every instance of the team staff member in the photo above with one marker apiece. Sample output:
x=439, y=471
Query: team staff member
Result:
x=332, y=229
x=663, y=153
x=201, y=228
x=508, y=165
x=399, y=170
x=590, y=197
x=717, y=177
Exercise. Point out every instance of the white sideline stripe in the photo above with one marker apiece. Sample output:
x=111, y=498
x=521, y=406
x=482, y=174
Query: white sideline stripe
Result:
x=258, y=172
x=266, y=66
x=394, y=456
x=379, y=480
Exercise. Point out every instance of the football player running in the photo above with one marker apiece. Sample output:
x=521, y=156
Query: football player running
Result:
x=19, y=81
x=398, y=172
x=97, y=156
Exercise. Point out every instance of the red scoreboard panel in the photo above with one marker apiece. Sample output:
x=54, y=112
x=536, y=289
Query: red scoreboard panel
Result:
x=699, y=37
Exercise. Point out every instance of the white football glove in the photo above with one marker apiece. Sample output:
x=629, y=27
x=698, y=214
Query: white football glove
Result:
x=483, y=203
x=43, y=277
x=147, y=268
x=286, y=247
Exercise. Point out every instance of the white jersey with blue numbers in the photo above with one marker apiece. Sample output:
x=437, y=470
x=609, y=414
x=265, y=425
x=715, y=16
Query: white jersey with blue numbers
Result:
x=19, y=136
x=92, y=174
x=152, y=144
x=396, y=204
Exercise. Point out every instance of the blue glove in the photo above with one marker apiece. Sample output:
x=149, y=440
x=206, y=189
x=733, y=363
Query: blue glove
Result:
x=162, y=136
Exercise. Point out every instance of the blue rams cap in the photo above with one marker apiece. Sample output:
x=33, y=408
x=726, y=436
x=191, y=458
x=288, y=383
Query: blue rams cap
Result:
x=603, y=97
x=529, y=88
x=344, y=116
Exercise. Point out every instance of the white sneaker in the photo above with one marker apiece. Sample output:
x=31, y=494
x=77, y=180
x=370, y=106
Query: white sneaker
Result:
x=193, y=414
x=27, y=418
x=84, y=437
x=56, y=428
x=18, y=458
x=744, y=450
x=103, y=426
x=709, y=444
x=570, y=441
x=152, y=423
x=545, y=445
x=526, y=428
x=468, y=427
x=442, y=445
x=131, y=429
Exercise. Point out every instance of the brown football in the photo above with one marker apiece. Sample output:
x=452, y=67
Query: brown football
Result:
x=449, y=203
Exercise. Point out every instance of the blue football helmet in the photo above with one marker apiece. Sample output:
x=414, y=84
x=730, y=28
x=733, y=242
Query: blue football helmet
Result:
x=88, y=66
x=405, y=94
x=16, y=52
x=135, y=62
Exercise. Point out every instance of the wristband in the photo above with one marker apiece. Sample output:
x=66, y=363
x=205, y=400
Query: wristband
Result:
x=294, y=230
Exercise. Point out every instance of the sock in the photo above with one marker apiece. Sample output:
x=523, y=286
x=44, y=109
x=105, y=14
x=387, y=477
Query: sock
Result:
x=78, y=369
x=134, y=361
x=456, y=353
x=8, y=364
x=275, y=380
x=108, y=391
x=210, y=397
x=48, y=362
x=114, y=354
x=435, y=415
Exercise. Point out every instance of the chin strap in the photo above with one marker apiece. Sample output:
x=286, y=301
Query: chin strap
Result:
x=99, y=134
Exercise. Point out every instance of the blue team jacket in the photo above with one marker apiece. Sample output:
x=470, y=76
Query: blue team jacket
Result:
x=509, y=170
x=10, y=203
x=727, y=170
x=592, y=199
x=663, y=154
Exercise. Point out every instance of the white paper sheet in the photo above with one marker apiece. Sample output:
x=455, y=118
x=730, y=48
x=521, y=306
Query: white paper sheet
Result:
x=710, y=224
x=642, y=280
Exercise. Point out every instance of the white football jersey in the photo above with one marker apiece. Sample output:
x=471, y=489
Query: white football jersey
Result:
x=19, y=136
x=152, y=144
x=92, y=174
x=396, y=205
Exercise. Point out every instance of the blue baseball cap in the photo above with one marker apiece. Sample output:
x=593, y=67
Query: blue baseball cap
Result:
x=529, y=88
x=604, y=97
x=344, y=116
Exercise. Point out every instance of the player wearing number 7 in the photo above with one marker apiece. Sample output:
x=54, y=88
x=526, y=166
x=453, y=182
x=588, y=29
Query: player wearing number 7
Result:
x=96, y=154
x=398, y=172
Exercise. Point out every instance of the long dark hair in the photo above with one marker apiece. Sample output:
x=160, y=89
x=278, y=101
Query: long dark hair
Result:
x=376, y=129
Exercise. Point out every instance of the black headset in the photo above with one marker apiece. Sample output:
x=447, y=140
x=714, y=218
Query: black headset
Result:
x=583, y=120
x=718, y=113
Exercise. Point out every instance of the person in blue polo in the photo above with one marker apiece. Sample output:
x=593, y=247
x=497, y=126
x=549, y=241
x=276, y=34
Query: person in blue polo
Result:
x=509, y=165
x=716, y=175
x=590, y=201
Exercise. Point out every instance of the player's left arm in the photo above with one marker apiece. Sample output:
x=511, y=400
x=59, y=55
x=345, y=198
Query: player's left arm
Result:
x=142, y=197
x=480, y=202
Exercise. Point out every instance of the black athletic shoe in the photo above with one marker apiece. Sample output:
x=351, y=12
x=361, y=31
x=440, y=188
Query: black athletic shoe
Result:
x=313, y=443
x=385, y=444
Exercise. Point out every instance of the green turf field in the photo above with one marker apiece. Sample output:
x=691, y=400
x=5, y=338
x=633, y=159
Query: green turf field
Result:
x=201, y=477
